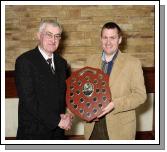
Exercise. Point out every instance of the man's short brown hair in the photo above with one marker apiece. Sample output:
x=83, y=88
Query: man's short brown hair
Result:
x=112, y=25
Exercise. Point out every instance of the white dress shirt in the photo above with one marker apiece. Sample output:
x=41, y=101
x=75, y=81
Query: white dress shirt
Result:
x=46, y=56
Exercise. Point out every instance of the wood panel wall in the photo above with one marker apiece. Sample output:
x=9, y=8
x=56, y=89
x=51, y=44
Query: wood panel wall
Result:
x=82, y=26
x=81, y=36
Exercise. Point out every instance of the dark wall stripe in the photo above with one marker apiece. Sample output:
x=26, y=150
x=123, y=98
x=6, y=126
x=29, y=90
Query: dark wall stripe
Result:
x=10, y=88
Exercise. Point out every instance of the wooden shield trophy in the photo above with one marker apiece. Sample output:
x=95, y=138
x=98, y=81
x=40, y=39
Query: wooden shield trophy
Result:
x=87, y=92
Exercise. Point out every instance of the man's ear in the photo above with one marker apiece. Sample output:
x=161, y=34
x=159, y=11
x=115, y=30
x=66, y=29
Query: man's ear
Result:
x=100, y=38
x=120, y=39
x=38, y=35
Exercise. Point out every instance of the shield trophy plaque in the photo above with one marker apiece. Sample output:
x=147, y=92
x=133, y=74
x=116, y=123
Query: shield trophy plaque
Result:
x=87, y=92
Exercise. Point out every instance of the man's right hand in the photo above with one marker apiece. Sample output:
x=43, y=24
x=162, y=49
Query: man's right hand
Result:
x=66, y=121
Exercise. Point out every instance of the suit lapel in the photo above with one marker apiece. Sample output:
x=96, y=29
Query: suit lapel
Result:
x=97, y=63
x=117, y=67
x=58, y=67
x=56, y=63
x=42, y=62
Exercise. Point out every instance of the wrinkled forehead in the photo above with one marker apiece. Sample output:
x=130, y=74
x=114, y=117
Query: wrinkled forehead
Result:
x=52, y=28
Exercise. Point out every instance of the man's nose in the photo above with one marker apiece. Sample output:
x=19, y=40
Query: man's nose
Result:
x=108, y=42
x=53, y=39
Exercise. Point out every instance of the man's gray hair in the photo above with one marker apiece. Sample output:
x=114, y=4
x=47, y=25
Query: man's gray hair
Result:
x=49, y=21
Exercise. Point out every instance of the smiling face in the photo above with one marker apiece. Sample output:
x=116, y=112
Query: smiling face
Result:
x=49, y=38
x=110, y=40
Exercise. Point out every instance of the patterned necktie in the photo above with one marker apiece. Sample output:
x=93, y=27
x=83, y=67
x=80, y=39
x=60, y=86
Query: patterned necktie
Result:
x=49, y=60
x=107, y=66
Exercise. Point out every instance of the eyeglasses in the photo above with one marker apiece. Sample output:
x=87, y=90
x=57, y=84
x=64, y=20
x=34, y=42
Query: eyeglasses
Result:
x=50, y=35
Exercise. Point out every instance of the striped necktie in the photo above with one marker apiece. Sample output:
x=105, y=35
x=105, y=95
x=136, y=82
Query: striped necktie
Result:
x=49, y=60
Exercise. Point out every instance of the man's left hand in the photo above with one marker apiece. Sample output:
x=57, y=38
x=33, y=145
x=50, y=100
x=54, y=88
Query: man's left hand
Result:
x=107, y=109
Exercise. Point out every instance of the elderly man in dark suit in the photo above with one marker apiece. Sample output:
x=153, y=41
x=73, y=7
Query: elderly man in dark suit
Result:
x=40, y=81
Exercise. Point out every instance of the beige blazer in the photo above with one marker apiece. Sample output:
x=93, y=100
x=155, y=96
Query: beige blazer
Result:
x=128, y=92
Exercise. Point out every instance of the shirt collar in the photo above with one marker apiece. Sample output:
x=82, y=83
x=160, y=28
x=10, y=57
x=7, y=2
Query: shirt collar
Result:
x=104, y=56
x=44, y=54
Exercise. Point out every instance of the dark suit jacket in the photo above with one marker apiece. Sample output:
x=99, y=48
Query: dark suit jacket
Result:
x=41, y=96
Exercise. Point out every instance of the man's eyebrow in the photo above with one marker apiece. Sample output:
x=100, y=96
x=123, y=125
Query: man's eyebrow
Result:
x=53, y=34
x=49, y=32
x=110, y=36
x=58, y=34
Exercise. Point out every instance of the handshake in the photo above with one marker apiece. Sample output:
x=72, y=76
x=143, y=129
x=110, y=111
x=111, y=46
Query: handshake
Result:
x=66, y=121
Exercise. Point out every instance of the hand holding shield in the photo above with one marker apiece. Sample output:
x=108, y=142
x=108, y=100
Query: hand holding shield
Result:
x=88, y=93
